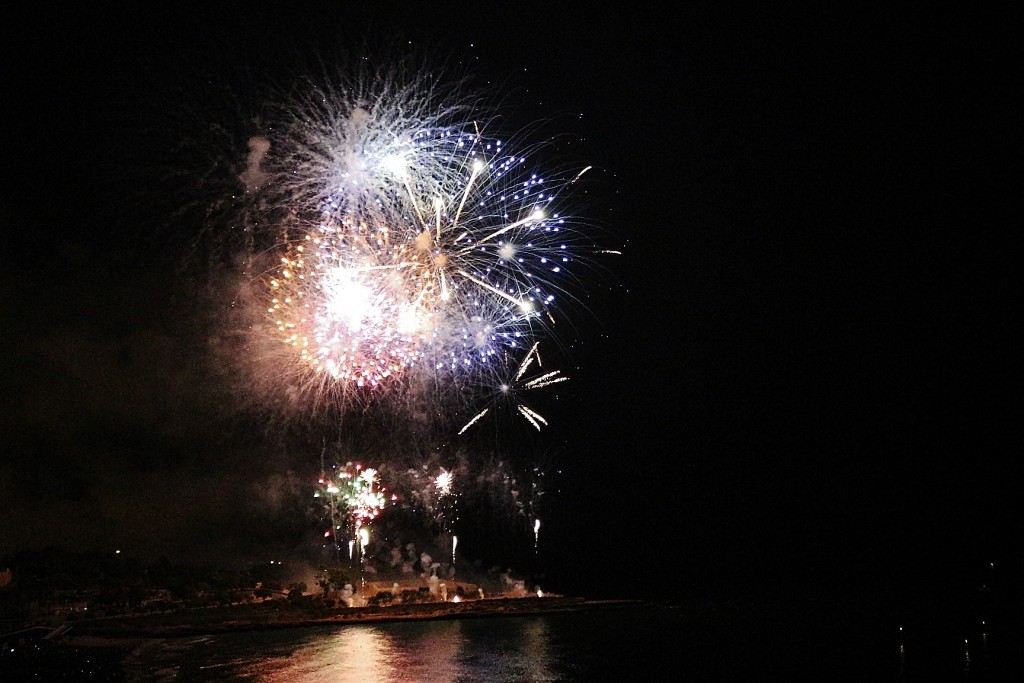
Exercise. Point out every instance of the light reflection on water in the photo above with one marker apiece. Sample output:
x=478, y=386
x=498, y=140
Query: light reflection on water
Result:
x=404, y=652
x=407, y=652
x=353, y=654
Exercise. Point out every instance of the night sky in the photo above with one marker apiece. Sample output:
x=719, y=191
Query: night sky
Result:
x=802, y=367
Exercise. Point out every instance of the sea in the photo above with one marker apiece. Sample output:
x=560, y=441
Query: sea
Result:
x=635, y=642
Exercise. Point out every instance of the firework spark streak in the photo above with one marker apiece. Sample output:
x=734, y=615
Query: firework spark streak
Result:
x=509, y=391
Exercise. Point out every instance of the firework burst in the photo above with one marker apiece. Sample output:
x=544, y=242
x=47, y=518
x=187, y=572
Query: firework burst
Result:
x=361, y=493
x=447, y=500
x=408, y=243
x=353, y=498
x=342, y=137
x=442, y=286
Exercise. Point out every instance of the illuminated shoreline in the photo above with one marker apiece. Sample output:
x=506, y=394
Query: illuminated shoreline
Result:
x=282, y=615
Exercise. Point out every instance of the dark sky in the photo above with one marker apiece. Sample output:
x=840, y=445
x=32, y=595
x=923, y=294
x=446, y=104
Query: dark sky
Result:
x=804, y=358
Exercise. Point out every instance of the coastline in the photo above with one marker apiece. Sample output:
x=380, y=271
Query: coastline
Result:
x=127, y=630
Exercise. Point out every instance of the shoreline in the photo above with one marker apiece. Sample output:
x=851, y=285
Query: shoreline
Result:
x=129, y=630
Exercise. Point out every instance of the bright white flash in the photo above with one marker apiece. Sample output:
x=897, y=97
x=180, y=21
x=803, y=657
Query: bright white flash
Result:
x=348, y=300
x=395, y=164
x=444, y=482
